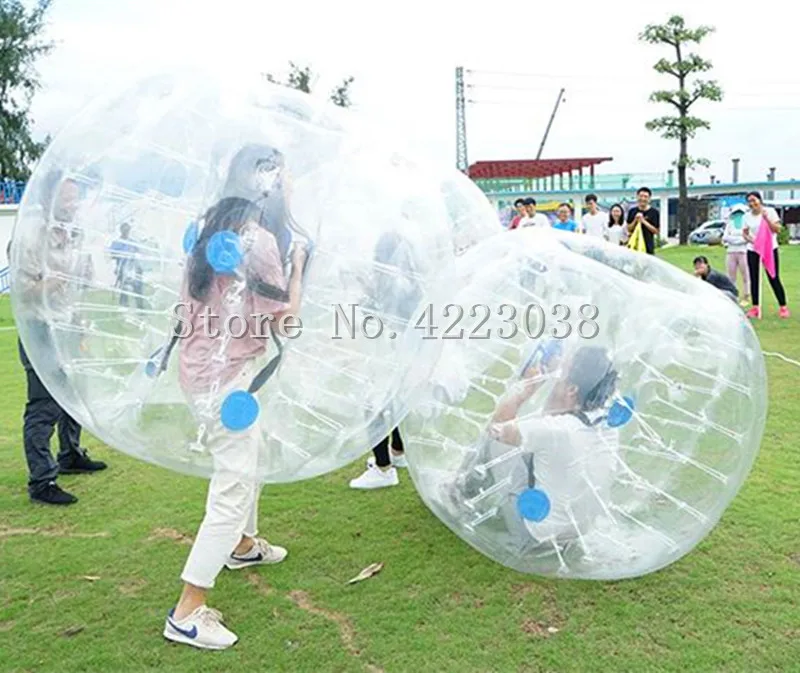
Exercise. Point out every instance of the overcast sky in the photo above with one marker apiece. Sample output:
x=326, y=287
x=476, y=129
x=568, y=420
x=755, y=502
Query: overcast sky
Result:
x=403, y=57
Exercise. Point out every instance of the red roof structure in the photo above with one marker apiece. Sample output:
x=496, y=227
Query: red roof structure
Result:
x=530, y=168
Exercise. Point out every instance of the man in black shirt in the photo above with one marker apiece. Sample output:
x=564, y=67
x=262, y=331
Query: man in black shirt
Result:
x=702, y=269
x=647, y=216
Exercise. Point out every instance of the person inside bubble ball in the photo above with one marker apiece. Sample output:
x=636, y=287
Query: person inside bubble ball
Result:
x=568, y=449
x=393, y=292
x=228, y=534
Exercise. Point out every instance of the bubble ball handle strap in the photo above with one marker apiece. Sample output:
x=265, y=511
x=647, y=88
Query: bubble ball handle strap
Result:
x=271, y=367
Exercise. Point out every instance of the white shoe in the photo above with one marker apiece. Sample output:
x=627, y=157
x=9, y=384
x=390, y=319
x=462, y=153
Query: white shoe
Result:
x=375, y=477
x=202, y=629
x=399, y=461
x=262, y=552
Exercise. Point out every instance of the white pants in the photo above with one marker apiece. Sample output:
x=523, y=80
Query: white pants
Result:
x=232, y=503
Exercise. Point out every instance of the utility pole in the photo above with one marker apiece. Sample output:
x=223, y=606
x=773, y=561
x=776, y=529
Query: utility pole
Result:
x=462, y=163
x=550, y=123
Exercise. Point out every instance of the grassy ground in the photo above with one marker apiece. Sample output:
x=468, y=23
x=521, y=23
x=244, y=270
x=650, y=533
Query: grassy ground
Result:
x=86, y=588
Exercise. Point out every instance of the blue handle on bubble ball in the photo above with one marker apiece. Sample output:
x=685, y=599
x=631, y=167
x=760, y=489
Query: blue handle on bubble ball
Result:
x=533, y=504
x=239, y=411
x=190, y=237
x=621, y=412
x=224, y=252
x=151, y=369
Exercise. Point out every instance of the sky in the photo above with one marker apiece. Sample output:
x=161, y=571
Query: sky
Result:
x=517, y=54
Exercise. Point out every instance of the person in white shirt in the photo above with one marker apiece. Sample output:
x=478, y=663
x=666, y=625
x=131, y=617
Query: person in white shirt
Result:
x=616, y=229
x=532, y=218
x=762, y=216
x=570, y=456
x=594, y=222
x=736, y=257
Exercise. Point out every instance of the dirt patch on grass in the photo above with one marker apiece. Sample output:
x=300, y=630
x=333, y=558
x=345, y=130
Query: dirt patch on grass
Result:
x=171, y=534
x=346, y=631
x=5, y=627
x=538, y=629
x=131, y=588
x=49, y=532
x=258, y=583
x=548, y=620
x=519, y=591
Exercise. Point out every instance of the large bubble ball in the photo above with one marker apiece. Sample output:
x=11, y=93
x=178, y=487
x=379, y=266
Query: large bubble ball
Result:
x=200, y=259
x=592, y=412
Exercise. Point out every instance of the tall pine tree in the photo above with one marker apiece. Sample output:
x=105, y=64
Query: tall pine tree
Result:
x=682, y=125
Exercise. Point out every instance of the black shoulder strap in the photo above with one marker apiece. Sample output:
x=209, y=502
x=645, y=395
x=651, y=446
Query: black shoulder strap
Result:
x=271, y=367
x=583, y=418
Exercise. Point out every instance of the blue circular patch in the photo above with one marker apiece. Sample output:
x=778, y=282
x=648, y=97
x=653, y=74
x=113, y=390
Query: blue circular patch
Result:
x=533, y=504
x=239, y=411
x=621, y=412
x=151, y=369
x=190, y=237
x=224, y=252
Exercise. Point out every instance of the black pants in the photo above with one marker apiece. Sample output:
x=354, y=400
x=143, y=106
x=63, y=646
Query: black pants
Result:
x=42, y=414
x=381, y=449
x=754, y=264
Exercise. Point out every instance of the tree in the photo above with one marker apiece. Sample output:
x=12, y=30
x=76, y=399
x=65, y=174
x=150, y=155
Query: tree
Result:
x=682, y=126
x=21, y=45
x=303, y=78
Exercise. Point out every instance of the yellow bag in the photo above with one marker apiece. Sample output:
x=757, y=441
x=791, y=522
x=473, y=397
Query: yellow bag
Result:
x=636, y=241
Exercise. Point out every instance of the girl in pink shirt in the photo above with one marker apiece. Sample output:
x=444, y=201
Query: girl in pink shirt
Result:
x=234, y=280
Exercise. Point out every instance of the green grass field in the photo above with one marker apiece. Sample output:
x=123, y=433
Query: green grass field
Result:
x=86, y=588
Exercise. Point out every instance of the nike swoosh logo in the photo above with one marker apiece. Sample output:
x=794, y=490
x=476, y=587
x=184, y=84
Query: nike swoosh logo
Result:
x=190, y=633
x=256, y=559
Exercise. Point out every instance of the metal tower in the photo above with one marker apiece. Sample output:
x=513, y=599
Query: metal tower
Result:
x=462, y=163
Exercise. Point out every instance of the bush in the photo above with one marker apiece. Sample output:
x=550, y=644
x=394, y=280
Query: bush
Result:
x=783, y=235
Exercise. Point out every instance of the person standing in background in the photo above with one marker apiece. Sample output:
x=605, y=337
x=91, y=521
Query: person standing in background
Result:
x=736, y=256
x=616, y=228
x=564, y=221
x=532, y=218
x=128, y=268
x=646, y=217
x=594, y=223
x=44, y=272
x=519, y=206
x=762, y=216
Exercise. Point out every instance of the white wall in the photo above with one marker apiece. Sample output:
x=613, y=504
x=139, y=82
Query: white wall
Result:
x=7, y=216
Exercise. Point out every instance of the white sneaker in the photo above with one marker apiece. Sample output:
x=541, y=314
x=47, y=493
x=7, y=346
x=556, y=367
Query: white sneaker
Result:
x=399, y=461
x=202, y=629
x=375, y=477
x=262, y=552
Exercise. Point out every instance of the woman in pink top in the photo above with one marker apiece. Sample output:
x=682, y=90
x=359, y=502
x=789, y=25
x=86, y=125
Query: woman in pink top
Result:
x=759, y=216
x=227, y=313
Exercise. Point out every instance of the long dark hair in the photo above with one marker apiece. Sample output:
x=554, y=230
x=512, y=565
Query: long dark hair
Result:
x=230, y=214
x=621, y=222
x=246, y=167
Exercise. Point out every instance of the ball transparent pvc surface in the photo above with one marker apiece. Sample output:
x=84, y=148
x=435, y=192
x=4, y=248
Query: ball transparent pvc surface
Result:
x=636, y=483
x=157, y=156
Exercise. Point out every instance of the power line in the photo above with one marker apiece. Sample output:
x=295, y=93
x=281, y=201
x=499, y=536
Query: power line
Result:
x=507, y=87
x=594, y=77
x=616, y=107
